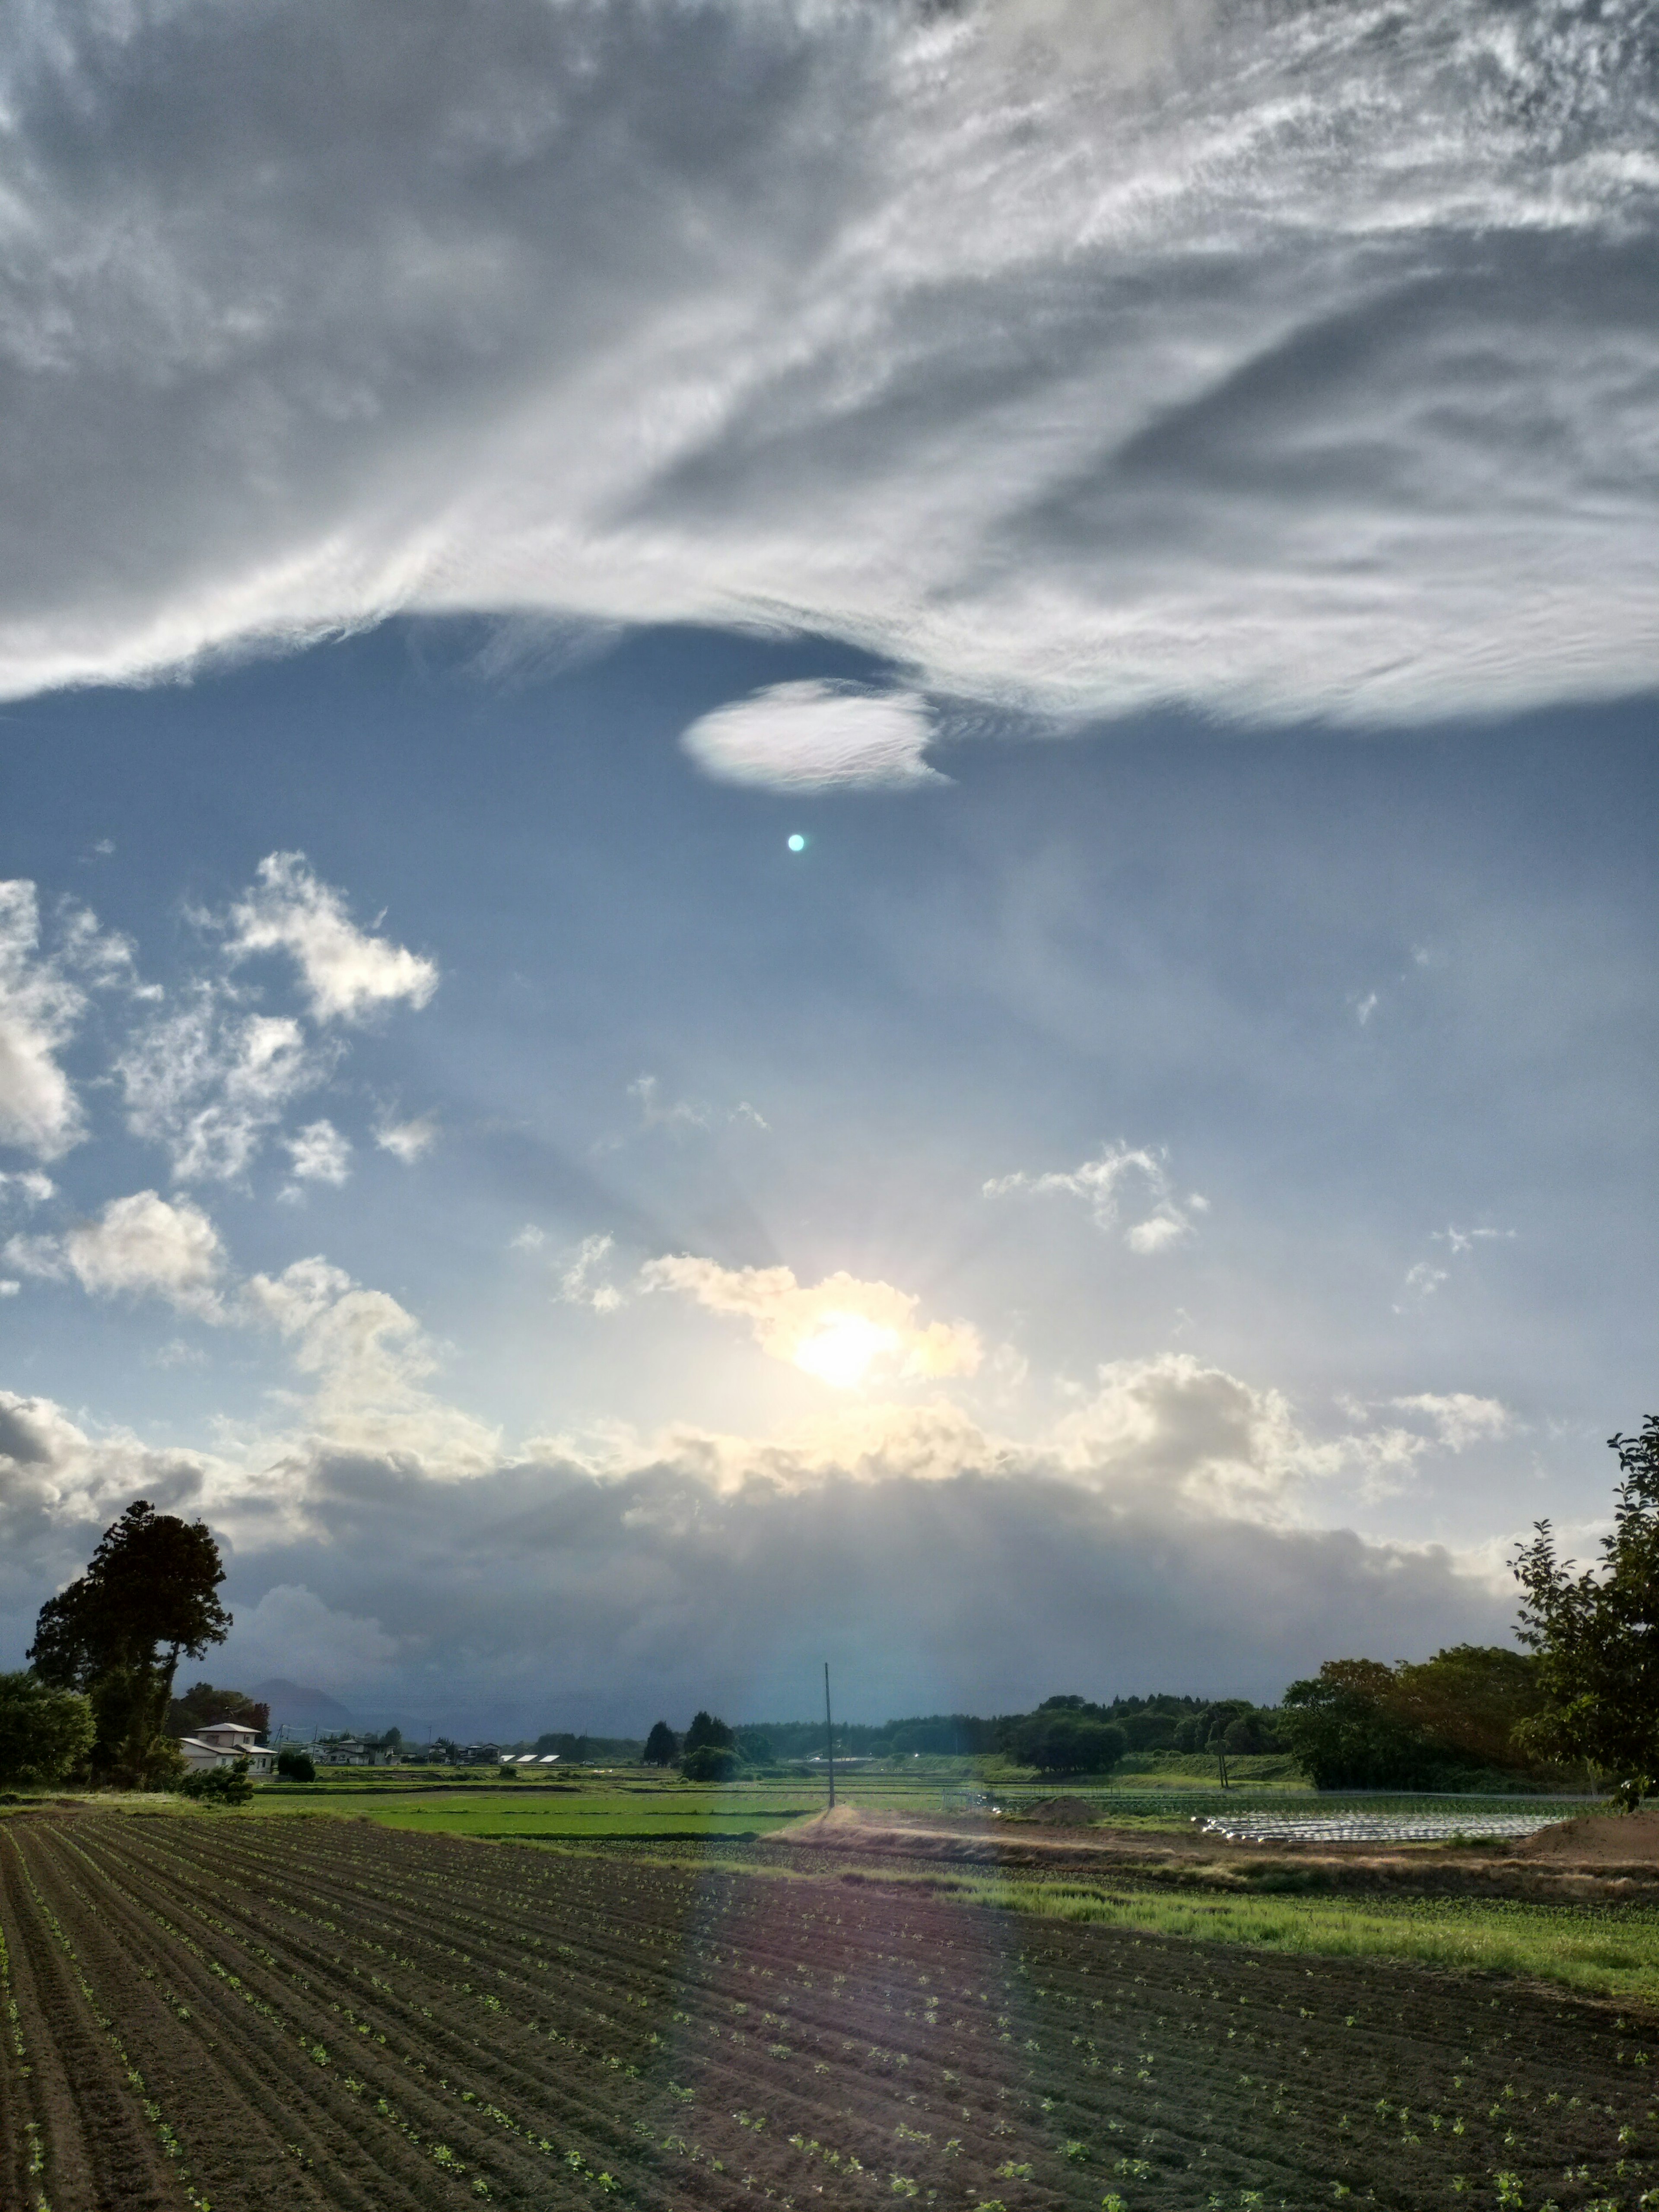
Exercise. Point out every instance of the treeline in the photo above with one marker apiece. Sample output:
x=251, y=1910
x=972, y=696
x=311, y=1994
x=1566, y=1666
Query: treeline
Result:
x=1066, y=1735
x=1469, y=1714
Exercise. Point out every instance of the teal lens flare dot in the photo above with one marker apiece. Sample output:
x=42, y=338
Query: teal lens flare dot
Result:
x=797, y=843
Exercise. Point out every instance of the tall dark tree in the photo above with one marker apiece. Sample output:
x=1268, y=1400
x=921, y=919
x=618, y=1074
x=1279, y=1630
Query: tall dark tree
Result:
x=147, y=1599
x=1596, y=1634
x=662, y=1746
x=706, y=1729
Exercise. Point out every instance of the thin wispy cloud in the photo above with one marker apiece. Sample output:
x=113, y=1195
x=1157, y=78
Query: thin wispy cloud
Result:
x=1123, y=1176
x=1279, y=359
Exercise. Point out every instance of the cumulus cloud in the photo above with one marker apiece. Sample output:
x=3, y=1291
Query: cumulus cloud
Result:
x=1101, y=1183
x=841, y=1329
x=1149, y=1538
x=816, y=736
x=140, y=1245
x=347, y=972
x=1302, y=364
x=290, y=1632
x=369, y=1362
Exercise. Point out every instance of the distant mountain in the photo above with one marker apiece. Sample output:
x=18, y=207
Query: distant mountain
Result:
x=292, y=1702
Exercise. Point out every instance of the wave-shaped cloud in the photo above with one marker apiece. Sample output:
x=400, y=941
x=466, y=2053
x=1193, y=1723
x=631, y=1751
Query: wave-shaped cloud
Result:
x=1285, y=359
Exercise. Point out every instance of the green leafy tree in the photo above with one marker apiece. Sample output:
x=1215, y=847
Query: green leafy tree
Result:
x=662, y=1746
x=295, y=1765
x=226, y=1784
x=705, y=1728
x=1595, y=1634
x=1471, y=1699
x=147, y=1599
x=1345, y=1733
x=44, y=1733
x=1069, y=1742
x=709, y=1762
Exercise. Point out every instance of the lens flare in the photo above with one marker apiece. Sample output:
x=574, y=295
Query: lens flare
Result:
x=797, y=842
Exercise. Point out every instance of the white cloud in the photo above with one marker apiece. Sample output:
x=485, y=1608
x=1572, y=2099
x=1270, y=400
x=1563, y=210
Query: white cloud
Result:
x=817, y=736
x=1282, y=360
x=407, y=1141
x=348, y=972
x=1459, y=1419
x=842, y=1330
x=210, y=1082
x=370, y=1361
x=657, y=1112
x=9, y=1286
x=577, y=1283
x=1424, y=1278
x=292, y=1632
x=1102, y=1182
x=138, y=1244
x=319, y=1154
x=30, y=1187
x=39, y=1112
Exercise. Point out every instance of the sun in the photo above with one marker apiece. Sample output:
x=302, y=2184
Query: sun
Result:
x=843, y=1348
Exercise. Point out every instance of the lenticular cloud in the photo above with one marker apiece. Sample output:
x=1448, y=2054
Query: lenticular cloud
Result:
x=1281, y=358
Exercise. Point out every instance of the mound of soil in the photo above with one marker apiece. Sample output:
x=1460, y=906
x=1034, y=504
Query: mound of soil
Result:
x=1622, y=1839
x=1061, y=1812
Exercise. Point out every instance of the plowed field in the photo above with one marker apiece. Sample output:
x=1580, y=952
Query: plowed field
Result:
x=227, y=2012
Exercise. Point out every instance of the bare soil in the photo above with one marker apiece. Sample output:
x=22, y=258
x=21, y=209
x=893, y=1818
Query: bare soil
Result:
x=238, y=2013
x=1604, y=1858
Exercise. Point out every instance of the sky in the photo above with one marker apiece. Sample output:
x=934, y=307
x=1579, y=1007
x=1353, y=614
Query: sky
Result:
x=825, y=832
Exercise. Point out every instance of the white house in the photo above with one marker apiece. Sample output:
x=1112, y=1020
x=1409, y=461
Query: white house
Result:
x=221, y=1742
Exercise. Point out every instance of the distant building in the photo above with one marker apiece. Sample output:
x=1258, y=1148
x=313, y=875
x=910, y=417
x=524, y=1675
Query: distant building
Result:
x=352, y=1750
x=221, y=1742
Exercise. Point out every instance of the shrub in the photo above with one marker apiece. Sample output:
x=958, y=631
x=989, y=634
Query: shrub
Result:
x=43, y=1734
x=295, y=1765
x=220, y=1785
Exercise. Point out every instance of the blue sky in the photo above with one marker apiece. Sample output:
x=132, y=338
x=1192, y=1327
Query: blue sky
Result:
x=1157, y=1191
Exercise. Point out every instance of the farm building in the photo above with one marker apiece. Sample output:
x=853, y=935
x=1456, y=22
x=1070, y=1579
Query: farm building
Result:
x=222, y=1741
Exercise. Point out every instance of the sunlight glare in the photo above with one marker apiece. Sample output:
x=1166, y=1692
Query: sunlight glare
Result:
x=842, y=1347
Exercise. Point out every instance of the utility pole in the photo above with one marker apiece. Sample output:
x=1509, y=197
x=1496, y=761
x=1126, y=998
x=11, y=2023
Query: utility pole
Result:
x=828, y=1736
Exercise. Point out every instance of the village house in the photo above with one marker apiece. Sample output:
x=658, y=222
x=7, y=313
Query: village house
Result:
x=221, y=1742
x=352, y=1750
